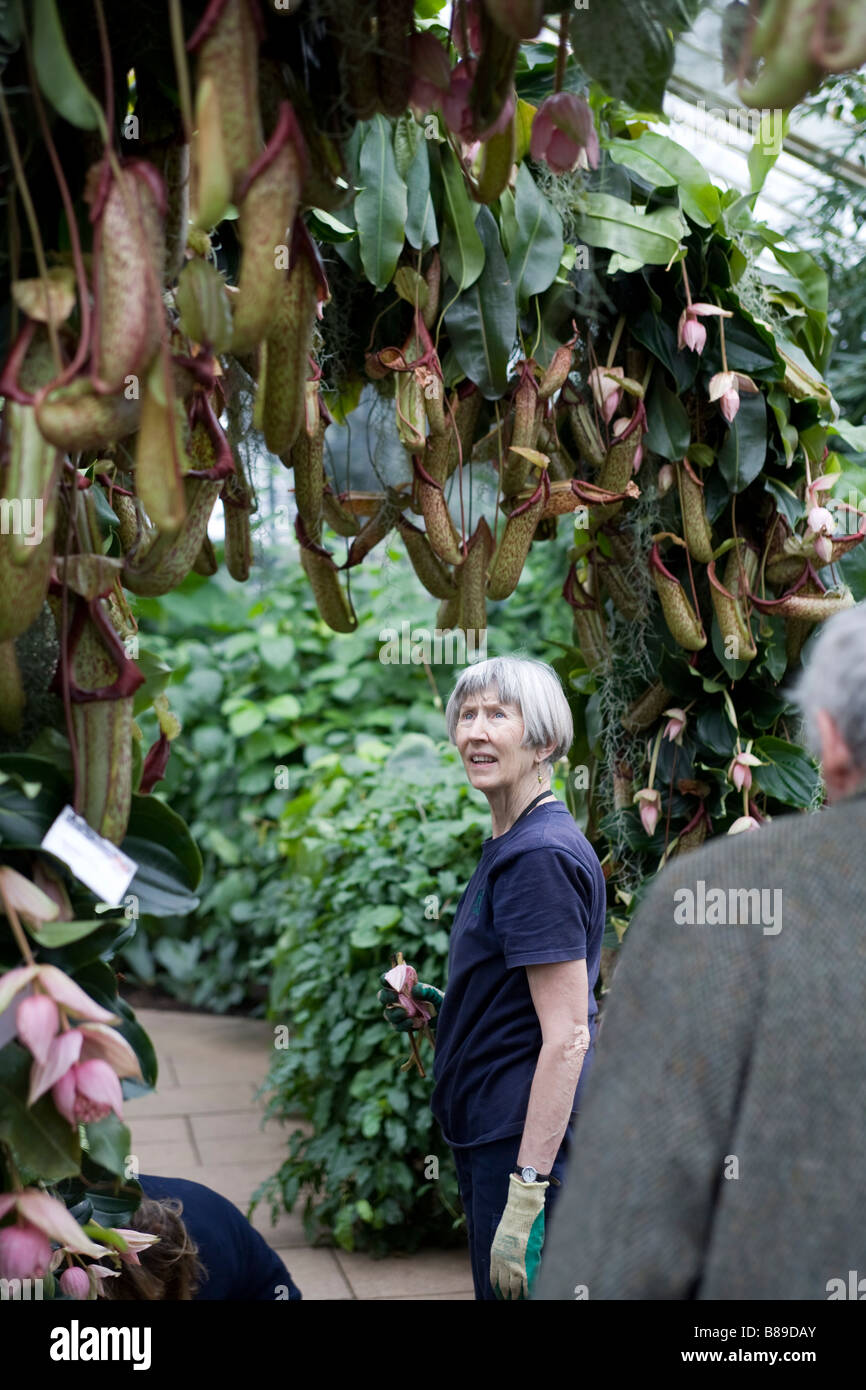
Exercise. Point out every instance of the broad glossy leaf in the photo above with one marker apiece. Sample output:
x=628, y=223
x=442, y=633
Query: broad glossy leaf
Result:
x=169, y=863
x=789, y=774
x=462, y=248
x=38, y=1136
x=668, y=428
x=58, y=76
x=380, y=205
x=482, y=321
x=661, y=339
x=109, y=1144
x=744, y=452
x=536, y=244
x=32, y=795
x=53, y=935
x=665, y=164
x=626, y=45
x=421, y=229
x=650, y=238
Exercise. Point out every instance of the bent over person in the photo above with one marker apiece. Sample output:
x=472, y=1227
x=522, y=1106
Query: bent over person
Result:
x=516, y=1027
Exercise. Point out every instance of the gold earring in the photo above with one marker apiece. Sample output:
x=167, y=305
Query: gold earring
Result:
x=538, y=765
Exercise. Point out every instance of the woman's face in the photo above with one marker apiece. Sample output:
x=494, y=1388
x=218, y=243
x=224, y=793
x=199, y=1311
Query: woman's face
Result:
x=488, y=740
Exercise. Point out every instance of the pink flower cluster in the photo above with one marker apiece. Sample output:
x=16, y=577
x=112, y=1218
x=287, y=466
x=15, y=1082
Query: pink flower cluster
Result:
x=80, y=1065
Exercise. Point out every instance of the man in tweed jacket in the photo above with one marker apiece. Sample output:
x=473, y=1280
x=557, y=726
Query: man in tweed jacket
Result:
x=720, y=1150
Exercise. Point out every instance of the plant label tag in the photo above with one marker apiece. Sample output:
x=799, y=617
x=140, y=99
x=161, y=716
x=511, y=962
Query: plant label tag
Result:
x=95, y=861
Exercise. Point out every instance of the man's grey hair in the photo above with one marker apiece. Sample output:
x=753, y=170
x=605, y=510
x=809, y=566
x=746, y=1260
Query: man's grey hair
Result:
x=531, y=685
x=834, y=679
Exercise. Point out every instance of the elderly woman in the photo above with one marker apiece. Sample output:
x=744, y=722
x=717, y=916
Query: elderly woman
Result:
x=516, y=1028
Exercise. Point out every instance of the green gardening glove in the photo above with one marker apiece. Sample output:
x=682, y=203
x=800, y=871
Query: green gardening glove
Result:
x=397, y=1015
x=516, y=1250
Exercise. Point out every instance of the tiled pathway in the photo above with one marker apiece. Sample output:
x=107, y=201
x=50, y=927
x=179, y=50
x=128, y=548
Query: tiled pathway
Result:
x=203, y=1123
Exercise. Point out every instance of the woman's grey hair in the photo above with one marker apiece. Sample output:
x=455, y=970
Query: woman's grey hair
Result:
x=531, y=685
x=834, y=679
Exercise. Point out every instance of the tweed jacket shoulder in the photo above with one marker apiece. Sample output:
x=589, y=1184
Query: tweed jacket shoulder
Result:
x=720, y=1149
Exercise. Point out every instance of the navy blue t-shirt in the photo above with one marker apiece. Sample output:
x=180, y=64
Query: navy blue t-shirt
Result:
x=537, y=896
x=240, y=1264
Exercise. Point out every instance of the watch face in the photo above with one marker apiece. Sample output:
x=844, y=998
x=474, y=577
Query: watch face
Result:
x=530, y=1174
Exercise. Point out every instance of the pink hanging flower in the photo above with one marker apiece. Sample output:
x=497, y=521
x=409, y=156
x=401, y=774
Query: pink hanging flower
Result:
x=431, y=72
x=620, y=427
x=455, y=103
x=564, y=134
x=690, y=332
x=676, y=724
x=75, y=1282
x=141, y=1240
x=666, y=478
x=25, y=1252
x=37, y=1020
x=650, y=808
x=743, y=823
x=100, y=1274
x=725, y=387
x=58, y=985
x=456, y=106
x=88, y=1092
x=403, y=979
x=606, y=393
x=740, y=770
x=50, y=1218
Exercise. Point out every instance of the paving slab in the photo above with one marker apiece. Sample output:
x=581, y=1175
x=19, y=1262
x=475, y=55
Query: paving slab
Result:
x=428, y=1272
x=316, y=1273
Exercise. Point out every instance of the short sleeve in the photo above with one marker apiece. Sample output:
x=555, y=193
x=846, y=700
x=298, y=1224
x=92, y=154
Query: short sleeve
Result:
x=542, y=901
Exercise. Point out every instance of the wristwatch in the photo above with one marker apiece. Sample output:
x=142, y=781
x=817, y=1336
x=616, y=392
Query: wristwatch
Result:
x=530, y=1174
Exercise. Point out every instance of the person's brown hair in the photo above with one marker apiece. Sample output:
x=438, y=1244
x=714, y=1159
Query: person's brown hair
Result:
x=170, y=1268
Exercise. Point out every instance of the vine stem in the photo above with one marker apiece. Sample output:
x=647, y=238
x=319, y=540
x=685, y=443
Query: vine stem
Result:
x=30, y=213
x=75, y=241
x=181, y=68
x=561, y=52
x=614, y=342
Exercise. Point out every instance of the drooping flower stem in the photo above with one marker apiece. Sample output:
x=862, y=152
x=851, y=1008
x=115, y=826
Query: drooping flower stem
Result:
x=561, y=52
x=614, y=342
x=724, y=353
x=17, y=930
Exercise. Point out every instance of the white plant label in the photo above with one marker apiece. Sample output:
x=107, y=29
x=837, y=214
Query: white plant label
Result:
x=95, y=861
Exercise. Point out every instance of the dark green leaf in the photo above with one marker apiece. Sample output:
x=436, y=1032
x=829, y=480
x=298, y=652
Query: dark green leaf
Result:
x=643, y=237
x=661, y=340
x=421, y=230
x=380, y=205
x=482, y=323
x=109, y=1144
x=626, y=46
x=665, y=164
x=536, y=248
x=462, y=248
x=744, y=452
x=790, y=775
x=668, y=428
x=58, y=76
x=38, y=1135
